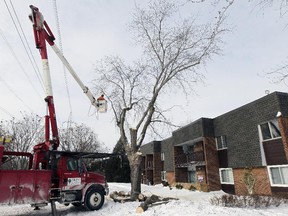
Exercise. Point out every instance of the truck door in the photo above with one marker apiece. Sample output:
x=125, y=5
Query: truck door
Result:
x=72, y=177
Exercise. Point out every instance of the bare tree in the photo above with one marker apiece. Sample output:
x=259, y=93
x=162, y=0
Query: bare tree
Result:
x=25, y=132
x=172, y=51
x=280, y=73
x=281, y=4
x=29, y=131
x=79, y=138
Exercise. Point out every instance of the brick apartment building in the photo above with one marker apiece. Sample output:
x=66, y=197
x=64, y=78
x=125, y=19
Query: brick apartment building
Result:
x=214, y=154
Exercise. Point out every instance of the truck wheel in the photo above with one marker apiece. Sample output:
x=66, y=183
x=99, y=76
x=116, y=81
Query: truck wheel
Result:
x=94, y=199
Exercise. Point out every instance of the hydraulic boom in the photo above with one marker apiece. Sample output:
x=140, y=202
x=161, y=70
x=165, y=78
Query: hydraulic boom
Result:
x=43, y=34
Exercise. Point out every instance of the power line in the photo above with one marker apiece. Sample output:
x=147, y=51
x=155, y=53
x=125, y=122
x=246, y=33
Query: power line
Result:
x=24, y=48
x=6, y=111
x=64, y=70
x=17, y=60
x=14, y=93
x=37, y=71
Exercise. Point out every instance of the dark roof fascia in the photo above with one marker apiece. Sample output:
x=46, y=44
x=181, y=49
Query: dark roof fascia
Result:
x=190, y=142
x=95, y=155
x=273, y=94
x=194, y=122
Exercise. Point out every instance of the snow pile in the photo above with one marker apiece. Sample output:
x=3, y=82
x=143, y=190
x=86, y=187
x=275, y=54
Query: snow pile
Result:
x=188, y=203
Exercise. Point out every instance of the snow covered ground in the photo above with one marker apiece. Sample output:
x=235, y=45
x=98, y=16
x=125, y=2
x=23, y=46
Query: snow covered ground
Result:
x=189, y=203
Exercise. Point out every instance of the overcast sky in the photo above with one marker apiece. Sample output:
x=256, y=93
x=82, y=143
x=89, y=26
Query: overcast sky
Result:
x=92, y=29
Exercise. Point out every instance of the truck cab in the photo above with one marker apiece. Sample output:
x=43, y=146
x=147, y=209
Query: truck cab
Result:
x=72, y=183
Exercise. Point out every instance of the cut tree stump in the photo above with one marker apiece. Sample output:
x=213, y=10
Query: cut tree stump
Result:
x=141, y=197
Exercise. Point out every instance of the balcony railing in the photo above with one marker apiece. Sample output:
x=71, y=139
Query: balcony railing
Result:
x=184, y=160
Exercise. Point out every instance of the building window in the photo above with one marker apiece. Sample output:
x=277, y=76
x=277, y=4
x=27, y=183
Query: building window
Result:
x=192, y=176
x=226, y=176
x=162, y=156
x=278, y=175
x=221, y=142
x=270, y=130
x=163, y=176
x=188, y=149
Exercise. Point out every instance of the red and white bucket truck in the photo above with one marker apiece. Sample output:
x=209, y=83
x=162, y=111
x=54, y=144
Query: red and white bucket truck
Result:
x=52, y=175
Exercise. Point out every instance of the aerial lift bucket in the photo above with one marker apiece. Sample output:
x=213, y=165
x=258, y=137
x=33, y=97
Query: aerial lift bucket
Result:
x=101, y=105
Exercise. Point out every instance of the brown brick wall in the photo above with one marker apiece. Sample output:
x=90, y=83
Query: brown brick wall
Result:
x=202, y=186
x=198, y=147
x=179, y=172
x=157, y=164
x=170, y=176
x=178, y=150
x=181, y=175
x=274, y=152
x=201, y=172
x=149, y=177
x=212, y=164
x=262, y=184
x=283, y=125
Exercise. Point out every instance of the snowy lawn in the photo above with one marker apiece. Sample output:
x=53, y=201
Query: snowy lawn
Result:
x=189, y=203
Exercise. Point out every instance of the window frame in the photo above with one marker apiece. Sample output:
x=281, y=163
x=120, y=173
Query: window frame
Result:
x=273, y=137
x=271, y=177
x=163, y=176
x=162, y=156
x=223, y=141
x=221, y=179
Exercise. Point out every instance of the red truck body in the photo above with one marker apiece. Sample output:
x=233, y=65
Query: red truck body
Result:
x=25, y=186
x=65, y=179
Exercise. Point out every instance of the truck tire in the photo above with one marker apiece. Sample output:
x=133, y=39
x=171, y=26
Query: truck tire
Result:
x=94, y=199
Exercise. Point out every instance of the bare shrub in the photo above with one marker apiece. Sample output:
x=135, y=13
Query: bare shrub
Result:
x=254, y=201
x=249, y=180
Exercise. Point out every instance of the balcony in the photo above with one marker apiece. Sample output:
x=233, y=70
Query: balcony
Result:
x=184, y=160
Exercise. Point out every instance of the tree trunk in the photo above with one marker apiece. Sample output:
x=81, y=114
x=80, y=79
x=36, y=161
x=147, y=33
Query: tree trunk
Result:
x=135, y=166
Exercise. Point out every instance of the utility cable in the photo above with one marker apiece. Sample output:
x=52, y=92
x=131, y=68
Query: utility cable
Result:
x=18, y=61
x=6, y=111
x=64, y=69
x=37, y=71
x=14, y=93
x=24, y=48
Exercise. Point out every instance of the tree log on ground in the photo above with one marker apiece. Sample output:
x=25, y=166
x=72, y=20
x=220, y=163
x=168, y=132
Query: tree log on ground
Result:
x=152, y=201
x=125, y=197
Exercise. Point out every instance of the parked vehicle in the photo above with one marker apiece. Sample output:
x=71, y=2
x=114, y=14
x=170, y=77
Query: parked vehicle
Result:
x=52, y=175
x=60, y=176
